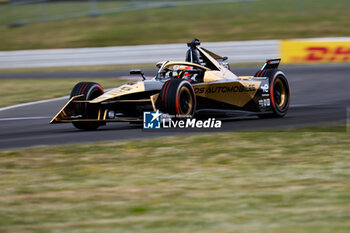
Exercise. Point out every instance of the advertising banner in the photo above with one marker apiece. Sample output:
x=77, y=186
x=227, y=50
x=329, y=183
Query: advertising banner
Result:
x=301, y=52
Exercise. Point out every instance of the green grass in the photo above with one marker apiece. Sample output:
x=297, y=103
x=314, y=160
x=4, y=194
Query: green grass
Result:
x=261, y=19
x=229, y=182
x=87, y=68
x=38, y=12
x=16, y=91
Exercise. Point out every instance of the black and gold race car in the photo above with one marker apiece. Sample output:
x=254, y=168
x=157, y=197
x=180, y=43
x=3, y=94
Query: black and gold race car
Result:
x=202, y=83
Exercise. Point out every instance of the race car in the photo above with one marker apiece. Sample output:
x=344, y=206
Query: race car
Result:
x=203, y=83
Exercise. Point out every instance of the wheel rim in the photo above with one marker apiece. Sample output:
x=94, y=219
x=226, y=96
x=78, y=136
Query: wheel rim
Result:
x=186, y=101
x=280, y=93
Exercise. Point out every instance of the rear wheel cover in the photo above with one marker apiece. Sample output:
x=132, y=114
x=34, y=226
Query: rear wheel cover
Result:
x=280, y=94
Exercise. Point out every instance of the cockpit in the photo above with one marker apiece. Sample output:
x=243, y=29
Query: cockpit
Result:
x=201, y=65
x=181, y=70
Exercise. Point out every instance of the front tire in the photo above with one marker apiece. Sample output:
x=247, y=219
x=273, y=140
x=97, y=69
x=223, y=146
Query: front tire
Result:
x=90, y=91
x=177, y=98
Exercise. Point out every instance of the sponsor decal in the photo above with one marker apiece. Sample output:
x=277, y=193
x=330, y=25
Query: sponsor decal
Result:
x=274, y=62
x=157, y=120
x=265, y=88
x=225, y=89
x=315, y=52
x=264, y=103
x=257, y=78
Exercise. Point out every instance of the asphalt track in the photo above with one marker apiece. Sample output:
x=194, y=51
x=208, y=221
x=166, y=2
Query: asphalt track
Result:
x=320, y=96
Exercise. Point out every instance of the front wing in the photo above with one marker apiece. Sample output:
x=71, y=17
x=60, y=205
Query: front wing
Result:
x=68, y=112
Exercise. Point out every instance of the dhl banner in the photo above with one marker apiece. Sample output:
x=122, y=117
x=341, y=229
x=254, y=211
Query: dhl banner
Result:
x=298, y=51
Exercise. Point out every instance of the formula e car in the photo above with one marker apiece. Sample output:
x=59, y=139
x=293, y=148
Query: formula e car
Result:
x=201, y=83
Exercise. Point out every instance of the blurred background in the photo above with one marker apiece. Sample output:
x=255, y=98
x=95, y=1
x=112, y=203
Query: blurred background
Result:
x=294, y=180
x=18, y=12
x=52, y=24
x=51, y=36
x=61, y=24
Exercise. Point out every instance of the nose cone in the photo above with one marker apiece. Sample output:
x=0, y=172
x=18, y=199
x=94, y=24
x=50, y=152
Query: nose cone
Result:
x=129, y=88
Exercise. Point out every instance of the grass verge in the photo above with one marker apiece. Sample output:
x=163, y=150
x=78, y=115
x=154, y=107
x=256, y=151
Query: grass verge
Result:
x=228, y=182
x=263, y=19
x=81, y=68
x=16, y=91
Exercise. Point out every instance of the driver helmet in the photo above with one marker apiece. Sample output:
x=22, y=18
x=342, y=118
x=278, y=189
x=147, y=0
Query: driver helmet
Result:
x=180, y=70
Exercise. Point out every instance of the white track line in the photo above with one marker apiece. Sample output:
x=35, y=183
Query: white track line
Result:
x=33, y=103
x=23, y=118
x=66, y=97
x=39, y=102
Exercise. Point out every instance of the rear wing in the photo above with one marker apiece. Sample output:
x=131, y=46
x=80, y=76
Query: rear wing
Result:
x=271, y=64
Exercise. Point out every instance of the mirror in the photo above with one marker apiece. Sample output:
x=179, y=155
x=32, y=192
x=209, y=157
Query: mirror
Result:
x=137, y=71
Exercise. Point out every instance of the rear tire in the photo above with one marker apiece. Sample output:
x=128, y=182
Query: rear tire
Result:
x=90, y=90
x=279, y=94
x=177, y=98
